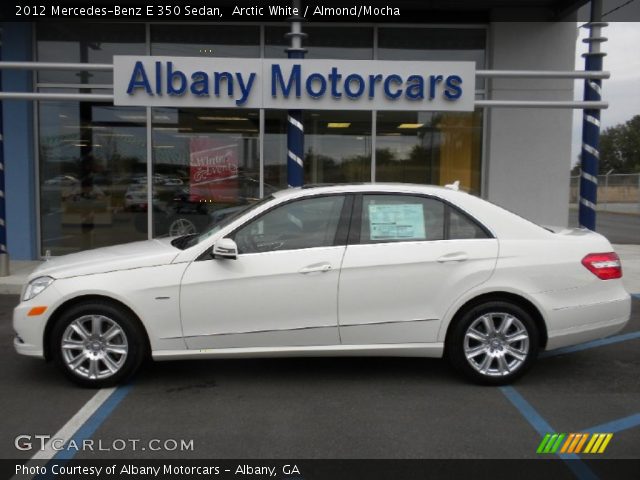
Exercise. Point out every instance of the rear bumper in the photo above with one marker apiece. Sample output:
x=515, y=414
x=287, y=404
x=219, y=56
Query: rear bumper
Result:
x=582, y=323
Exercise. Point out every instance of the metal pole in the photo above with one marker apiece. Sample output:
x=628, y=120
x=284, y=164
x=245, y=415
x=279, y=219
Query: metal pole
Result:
x=591, y=121
x=4, y=255
x=295, y=128
x=606, y=189
x=639, y=193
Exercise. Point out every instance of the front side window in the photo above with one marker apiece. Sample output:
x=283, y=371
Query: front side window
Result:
x=307, y=223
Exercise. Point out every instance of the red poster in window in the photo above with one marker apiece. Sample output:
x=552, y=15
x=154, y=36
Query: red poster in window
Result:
x=213, y=170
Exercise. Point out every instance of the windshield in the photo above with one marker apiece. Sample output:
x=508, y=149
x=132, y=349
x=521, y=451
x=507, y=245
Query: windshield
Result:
x=232, y=214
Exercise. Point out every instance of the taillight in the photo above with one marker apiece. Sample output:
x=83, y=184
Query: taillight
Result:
x=605, y=266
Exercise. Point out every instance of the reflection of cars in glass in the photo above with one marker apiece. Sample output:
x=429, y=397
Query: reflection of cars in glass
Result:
x=381, y=269
x=185, y=213
x=63, y=181
x=135, y=198
x=181, y=223
x=172, y=181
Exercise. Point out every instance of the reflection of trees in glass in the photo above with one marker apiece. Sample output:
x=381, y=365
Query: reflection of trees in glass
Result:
x=355, y=168
x=416, y=167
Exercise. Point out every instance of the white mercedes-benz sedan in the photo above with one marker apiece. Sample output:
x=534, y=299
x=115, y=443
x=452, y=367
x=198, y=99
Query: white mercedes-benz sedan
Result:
x=377, y=269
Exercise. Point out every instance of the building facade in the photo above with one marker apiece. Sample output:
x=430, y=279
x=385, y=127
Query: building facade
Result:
x=77, y=172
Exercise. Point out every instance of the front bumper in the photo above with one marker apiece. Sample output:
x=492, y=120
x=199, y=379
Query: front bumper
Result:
x=30, y=330
x=27, y=349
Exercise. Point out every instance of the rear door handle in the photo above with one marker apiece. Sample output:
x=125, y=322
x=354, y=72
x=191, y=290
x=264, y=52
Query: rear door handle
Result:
x=317, y=267
x=453, y=257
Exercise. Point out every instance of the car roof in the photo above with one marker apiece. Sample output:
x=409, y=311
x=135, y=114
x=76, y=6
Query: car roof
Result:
x=314, y=189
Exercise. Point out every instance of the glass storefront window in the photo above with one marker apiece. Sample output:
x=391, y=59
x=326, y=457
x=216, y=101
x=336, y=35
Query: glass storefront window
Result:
x=206, y=40
x=429, y=147
x=350, y=43
x=89, y=152
x=81, y=42
x=337, y=147
x=206, y=162
x=436, y=44
x=206, y=166
x=419, y=43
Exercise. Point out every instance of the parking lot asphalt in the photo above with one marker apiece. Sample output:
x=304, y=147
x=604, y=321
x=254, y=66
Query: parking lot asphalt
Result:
x=621, y=228
x=334, y=407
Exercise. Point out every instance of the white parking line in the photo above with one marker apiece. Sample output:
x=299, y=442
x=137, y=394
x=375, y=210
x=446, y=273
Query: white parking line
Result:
x=69, y=429
x=72, y=426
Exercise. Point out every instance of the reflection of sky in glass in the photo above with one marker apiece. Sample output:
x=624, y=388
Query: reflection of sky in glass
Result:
x=206, y=40
x=114, y=131
x=87, y=43
x=350, y=43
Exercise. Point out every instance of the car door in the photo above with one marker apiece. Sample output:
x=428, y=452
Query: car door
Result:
x=408, y=258
x=281, y=290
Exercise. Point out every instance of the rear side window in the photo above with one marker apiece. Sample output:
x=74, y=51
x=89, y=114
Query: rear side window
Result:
x=463, y=227
x=401, y=218
x=411, y=218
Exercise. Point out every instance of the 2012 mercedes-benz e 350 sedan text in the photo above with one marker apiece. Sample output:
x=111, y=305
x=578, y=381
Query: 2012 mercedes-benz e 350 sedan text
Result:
x=380, y=269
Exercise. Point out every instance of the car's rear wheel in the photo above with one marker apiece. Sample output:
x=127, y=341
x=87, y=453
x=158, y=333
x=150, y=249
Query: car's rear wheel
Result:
x=493, y=343
x=97, y=344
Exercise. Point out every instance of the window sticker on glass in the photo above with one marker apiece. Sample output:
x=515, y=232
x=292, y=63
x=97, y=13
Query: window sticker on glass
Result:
x=397, y=222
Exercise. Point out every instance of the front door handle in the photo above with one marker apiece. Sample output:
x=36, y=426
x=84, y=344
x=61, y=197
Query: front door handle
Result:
x=453, y=257
x=317, y=267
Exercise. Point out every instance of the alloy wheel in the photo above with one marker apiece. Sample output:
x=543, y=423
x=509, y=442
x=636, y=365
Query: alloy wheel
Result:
x=94, y=347
x=496, y=344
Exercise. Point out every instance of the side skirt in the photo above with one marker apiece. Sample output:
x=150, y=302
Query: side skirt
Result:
x=433, y=350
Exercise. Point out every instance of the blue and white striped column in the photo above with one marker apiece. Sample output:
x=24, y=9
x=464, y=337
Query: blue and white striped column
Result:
x=4, y=255
x=590, y=155
x=295, y=148
x=295, y=127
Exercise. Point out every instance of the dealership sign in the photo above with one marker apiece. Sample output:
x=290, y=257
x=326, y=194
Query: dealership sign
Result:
x=293, y=83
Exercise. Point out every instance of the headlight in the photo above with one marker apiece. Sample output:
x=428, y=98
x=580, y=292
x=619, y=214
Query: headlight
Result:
x=35, y=287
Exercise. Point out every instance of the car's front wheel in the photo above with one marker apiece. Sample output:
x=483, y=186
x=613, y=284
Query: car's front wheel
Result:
x=493, y=343
x=97, y=344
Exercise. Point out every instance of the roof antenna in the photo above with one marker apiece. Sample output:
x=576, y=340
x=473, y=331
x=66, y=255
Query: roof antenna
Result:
x=455, y=186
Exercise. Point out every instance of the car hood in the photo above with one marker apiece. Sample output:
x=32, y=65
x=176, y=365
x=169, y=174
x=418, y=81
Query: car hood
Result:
x=108, y=259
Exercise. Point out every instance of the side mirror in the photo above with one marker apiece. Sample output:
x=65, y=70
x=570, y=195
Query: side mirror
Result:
x=225, y=248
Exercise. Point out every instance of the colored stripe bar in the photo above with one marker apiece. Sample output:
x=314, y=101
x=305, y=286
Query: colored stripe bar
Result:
x=594, y=439
x=596, y=446
x=558, y=442
x=605, y=443
x=583, y=439
x=568, y=442
x=543, y=443
x=551, y=444
x=573, y=462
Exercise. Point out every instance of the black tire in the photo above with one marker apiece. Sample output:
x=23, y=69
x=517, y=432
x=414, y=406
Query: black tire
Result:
x=95, y=348
x=485, y=347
